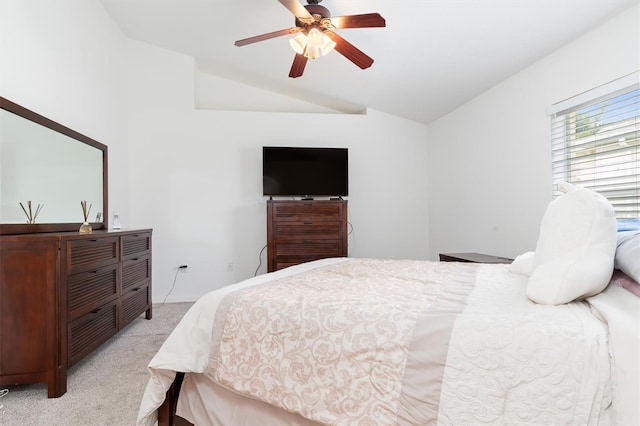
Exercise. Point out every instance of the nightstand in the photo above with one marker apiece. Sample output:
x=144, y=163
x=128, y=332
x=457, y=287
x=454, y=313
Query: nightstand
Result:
x=473, y=258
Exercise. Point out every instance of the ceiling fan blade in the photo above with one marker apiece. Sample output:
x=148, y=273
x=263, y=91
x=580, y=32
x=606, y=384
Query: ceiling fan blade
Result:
x=349, y=51
x=298, y=10
x=299, y=62
x=367, y=20
x=267, y=36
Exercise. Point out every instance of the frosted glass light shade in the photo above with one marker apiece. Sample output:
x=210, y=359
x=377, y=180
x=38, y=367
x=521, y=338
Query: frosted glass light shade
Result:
x=298, y=43
x=313, y=45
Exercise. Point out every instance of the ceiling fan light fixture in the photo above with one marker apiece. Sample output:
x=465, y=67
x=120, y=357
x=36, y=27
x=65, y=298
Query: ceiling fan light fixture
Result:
x=313, y=45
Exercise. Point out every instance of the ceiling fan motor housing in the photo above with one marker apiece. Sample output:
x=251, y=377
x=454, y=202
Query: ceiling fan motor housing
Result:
x=316, y=9
x=320, y=15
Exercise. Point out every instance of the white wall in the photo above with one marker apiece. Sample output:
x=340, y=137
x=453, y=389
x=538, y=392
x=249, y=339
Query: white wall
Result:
x=218, y=93
x=490, y=160
x=64, y=59
x=196, y=176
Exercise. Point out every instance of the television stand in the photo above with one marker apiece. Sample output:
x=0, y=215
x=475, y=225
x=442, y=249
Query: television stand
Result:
x=301, y=231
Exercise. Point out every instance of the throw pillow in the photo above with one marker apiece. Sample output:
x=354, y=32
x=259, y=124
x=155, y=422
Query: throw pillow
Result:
x=576, y=247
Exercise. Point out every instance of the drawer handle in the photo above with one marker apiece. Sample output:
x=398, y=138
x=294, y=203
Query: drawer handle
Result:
x=135, y=235
x=134, y=259
x=135, y=289
x=95, y=311
x=308, y=241
x=95, y=271
x=94, y=240
x=308, y=223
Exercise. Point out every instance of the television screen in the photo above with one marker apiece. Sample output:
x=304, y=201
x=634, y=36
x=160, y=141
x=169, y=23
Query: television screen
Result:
x=305, y=172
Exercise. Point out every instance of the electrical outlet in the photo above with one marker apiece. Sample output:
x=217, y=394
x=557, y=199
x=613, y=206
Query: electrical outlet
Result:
x=229, y=266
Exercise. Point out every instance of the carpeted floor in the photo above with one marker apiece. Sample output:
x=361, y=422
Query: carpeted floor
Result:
x=105, y=388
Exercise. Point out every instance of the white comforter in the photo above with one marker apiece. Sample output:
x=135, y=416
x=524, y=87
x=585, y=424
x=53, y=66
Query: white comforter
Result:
x=512, y=361
x=508, y=360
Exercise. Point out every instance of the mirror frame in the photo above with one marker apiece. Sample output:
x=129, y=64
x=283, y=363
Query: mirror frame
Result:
x=26, y=228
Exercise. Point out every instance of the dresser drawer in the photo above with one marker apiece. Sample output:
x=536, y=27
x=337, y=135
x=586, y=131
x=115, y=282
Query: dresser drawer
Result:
x=91, y=330
x=298, y=257
x=90, y=253
x=134, y=303
x=88, y=290
x=135, y=272
x=307, y=230
x=285, y=263
x=135, y=245
x=312, y=211
x=310, y=249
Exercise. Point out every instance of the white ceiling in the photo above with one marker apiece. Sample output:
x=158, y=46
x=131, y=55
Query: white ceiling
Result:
x=432, y=56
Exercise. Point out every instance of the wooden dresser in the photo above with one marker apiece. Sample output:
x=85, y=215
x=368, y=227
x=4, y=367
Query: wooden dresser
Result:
x=64, y=294
x=301, y=231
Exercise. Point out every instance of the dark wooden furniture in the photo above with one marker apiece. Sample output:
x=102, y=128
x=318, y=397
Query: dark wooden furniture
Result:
x=64, y=294
x=301, y=231
x=473, y=258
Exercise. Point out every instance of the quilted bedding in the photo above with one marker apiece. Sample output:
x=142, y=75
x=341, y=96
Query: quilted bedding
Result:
x=363, y=341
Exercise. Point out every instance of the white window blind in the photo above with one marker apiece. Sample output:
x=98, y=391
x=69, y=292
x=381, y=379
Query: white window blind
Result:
x=596, y=145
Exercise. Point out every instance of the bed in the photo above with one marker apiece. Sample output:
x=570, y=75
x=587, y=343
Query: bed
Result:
x=347, y=341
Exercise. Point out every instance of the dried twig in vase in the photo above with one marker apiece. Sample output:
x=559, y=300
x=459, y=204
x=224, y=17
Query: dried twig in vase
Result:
x=31, y=216
x=85, y=211
x=85, y=228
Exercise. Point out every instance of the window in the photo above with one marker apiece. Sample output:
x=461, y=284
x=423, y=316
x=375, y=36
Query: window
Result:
x=596, y=145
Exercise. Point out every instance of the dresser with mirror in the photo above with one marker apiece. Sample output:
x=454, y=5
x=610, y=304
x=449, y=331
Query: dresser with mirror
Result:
x=63, y=292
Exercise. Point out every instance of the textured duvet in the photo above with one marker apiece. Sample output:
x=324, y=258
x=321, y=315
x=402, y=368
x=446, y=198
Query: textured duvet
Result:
x=376, y=342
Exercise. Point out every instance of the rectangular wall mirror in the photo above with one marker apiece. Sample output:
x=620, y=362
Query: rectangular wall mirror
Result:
x=52, y=166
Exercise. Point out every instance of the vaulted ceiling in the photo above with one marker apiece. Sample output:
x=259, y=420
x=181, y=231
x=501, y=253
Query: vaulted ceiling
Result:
x=432, y=56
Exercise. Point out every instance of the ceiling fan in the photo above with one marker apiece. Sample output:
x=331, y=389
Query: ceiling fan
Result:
x=316, y=36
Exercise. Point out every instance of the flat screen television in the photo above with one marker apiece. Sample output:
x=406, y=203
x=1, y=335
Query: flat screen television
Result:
x=305, y=172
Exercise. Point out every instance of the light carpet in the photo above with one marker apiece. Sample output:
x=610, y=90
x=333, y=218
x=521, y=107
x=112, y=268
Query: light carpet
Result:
x=106, y=387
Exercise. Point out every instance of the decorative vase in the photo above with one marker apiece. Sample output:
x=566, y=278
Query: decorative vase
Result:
x=85, y=228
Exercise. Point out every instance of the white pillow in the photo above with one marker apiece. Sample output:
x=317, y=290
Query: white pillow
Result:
x=523, y=264
x=576, y=248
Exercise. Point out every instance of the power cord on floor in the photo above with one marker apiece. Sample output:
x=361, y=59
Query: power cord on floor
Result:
x=175, y=278
x=260, y=257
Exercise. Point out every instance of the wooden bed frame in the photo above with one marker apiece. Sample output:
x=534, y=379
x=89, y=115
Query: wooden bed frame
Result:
x=167, y=411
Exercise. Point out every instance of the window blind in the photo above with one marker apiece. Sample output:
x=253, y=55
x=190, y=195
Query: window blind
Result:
x=596, y=145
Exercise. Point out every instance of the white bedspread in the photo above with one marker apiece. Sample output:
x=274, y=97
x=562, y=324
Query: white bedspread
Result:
x=512, y=361
x=505, y=360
